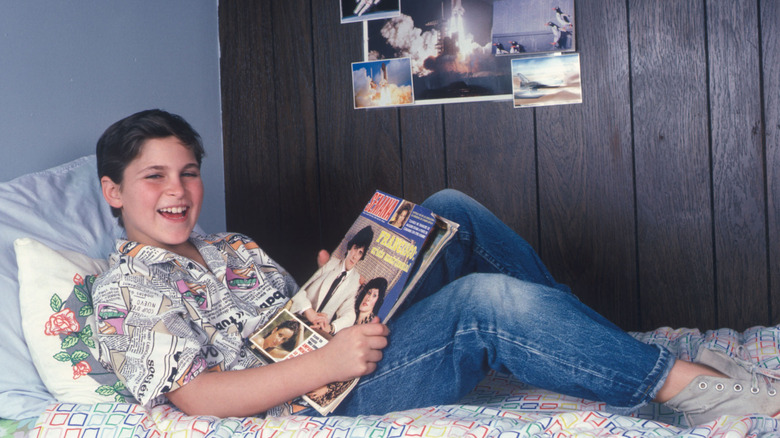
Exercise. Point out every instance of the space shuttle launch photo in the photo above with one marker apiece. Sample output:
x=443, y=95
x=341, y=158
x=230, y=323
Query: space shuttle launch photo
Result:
x=449, y=44
x=456, y=29
x=383, y=83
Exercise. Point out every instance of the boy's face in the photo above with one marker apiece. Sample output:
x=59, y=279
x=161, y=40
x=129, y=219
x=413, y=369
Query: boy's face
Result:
x=161, y=194
x=354, y=255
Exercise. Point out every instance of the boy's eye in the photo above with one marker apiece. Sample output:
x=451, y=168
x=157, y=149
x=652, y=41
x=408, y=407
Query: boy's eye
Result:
x=191, y=174
x=153, y=176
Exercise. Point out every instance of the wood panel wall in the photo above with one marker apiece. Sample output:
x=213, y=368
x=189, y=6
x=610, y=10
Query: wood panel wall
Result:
x=657, y=199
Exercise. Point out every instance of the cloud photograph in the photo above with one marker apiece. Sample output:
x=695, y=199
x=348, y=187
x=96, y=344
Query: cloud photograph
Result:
x=382, y=83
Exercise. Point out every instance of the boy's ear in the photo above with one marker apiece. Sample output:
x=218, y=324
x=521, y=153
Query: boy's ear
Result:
x=111, y=192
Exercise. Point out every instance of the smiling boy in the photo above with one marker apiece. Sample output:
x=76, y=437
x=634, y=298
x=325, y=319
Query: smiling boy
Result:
x=160, y=196
x=185, y=325
x=180, y=322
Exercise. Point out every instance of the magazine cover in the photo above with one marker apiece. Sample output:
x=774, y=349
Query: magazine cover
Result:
x=366, y=277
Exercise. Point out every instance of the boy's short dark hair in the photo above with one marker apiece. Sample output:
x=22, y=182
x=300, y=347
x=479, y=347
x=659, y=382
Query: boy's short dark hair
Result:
x=121, y=143
x=361, y=239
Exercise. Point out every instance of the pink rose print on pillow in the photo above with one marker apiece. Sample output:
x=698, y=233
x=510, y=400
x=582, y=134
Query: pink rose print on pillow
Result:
x=62, y=323
x=81, y=369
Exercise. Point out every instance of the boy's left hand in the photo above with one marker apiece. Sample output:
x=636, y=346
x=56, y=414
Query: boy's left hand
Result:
x=355, y=350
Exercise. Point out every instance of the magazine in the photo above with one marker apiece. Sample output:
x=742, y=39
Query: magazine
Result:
x=369, y=274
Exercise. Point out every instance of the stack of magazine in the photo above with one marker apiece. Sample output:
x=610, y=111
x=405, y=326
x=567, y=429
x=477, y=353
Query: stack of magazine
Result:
x=368, y=275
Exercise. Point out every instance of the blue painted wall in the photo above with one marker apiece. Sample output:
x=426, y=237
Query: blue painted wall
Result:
x=68, y=69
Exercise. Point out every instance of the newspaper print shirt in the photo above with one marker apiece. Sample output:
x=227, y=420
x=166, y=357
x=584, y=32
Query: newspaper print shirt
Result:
x=163, y=319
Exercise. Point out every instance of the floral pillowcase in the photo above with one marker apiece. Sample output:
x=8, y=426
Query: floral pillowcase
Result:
x=59, y=323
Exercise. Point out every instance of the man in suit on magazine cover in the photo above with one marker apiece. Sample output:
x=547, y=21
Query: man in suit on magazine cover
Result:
x=327, y=300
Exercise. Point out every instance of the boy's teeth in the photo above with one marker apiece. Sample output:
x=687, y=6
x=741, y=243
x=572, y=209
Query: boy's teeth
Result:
x=174, y=210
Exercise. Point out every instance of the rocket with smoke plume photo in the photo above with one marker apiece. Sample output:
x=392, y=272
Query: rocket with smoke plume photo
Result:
x=450, y=44
x=382, y=83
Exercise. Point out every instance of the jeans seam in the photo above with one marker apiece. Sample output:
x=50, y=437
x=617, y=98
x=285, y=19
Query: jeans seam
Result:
x=505, y=338
x=429, y=353
x=405, y=363
x=500, y=267
x=551, y=358
x=484, y=253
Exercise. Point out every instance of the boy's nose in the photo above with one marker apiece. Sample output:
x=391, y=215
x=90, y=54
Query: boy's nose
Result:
x=175, y=187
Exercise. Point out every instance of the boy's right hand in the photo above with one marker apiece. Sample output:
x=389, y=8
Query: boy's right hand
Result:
x=355, y=350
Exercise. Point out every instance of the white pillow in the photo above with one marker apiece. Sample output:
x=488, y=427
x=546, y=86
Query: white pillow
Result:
x=64, y=208
x=59, y=324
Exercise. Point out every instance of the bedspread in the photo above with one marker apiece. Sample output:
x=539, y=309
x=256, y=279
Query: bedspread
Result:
x=499, y=406
x=554, y=415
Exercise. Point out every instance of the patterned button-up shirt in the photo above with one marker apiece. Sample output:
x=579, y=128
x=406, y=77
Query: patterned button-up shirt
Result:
x=163, y=319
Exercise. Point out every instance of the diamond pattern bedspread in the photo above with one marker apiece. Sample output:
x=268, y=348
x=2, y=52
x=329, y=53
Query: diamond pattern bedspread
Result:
x=499, y=406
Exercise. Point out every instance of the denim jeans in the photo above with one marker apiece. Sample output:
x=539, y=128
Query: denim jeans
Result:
x=488, y=302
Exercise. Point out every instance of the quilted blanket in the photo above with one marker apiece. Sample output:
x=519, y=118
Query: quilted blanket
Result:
x=499, y=406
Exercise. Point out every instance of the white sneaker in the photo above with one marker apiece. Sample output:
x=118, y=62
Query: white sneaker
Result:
x=747, y=390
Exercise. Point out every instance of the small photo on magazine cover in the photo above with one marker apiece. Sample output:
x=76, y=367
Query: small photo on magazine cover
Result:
x=280, y=337
x=546, y=80
x=383, y=83
x=532, y=26
x=401, y=215
x=353, y=11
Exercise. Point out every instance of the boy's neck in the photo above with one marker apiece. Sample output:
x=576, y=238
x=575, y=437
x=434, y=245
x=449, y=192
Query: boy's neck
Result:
x=190, y=251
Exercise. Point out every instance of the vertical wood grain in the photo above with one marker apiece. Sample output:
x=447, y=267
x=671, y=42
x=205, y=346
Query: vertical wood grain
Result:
x=770, y=44
x=586, y=185
x=491, y=157
x=737, y=164
x=674, y=218
x=299, y=236
x=249, y=123
x=358, y=150
x=657, y=199
x=422, y=150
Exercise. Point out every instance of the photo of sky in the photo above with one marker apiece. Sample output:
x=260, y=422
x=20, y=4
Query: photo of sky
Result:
x=450, y=47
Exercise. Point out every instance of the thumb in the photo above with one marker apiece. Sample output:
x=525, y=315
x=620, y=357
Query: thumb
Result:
x=322, y=257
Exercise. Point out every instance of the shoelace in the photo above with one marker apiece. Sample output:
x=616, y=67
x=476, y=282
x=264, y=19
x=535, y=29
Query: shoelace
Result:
x=742, y=359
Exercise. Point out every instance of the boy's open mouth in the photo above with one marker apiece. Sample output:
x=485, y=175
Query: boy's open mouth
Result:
x=174, y=212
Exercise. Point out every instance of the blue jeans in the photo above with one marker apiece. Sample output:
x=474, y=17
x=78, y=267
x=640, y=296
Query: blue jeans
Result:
x=489, y=303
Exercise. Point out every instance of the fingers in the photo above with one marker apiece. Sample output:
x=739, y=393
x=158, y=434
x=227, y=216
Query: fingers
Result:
x=377, y=343
x=322, y=258
x=368, y=358
x=372, y=358
x=373, y=328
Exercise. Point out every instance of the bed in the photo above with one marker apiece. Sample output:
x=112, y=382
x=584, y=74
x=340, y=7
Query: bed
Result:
x=55, y=233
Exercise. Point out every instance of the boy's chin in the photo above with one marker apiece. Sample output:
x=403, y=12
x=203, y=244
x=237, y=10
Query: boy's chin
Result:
x=176, y=238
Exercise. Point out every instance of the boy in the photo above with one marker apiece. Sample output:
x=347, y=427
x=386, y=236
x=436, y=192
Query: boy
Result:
x=487, y=302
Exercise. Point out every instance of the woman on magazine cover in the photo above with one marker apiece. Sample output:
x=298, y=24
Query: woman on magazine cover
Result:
x=370, y=299
x=281, y=340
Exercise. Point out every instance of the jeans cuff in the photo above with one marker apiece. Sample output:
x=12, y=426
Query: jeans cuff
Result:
x=654, y=381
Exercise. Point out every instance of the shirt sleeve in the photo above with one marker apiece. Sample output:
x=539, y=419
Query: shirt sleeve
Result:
x=273, y=271
x=146, y=337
